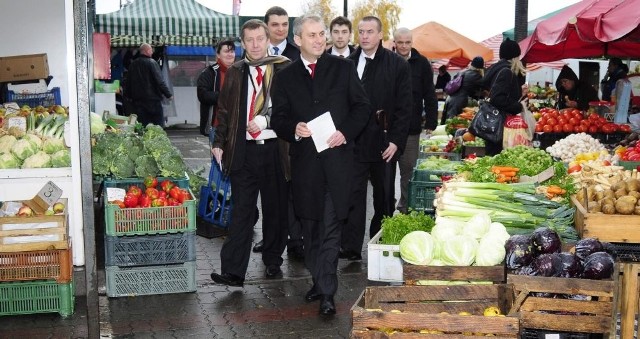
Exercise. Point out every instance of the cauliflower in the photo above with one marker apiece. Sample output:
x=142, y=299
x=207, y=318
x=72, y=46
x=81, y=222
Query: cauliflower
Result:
x=23, y=149
x=6, y=141
x=52, y=145
x=8, y=160
x=34, y=139
x=61, y=158
x=38, y=160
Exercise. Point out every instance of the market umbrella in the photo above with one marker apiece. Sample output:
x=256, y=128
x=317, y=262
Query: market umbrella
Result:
x=436, y=41
x=574, y=33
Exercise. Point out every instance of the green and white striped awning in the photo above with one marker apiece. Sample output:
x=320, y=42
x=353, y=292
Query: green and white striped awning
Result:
x=166, y=22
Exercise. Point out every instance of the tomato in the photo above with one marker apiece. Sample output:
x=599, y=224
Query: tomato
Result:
x=562, y=121
x=574, y=121
x=539, y=128
x=634, y=157
x=575, y=168
x=579, y=129
x=552, y=121
x=593, y=117
x=567, y=128
x=608, y=129
x=547, y=128
x=624, y=128
x=557, y=129
x=593, y=129
x=543, y=120
x=584, y=123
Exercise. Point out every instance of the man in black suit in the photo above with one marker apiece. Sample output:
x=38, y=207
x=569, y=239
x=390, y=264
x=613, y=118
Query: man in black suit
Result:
x=340, y=29
x=316, y=84
x=246, y=147
x=277, y=20
x=386, y=78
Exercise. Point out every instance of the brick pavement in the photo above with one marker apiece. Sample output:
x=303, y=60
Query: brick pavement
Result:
x=262, y=309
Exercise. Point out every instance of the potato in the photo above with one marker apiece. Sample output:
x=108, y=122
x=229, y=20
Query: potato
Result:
x=618, y=185
x=608, y=209
x=632, y=184
x=607, y=201
x=609, y=194
x=620, y=193
x=634, y=194
x=594, y=207
x=600, y=195
x=626, y=204
x=636, y=210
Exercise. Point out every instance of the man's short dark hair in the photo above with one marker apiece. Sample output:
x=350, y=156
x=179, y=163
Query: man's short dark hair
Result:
x=373, y=18
x=275, y=10
x=251, y=25
x=340, y=21
x=225, y=42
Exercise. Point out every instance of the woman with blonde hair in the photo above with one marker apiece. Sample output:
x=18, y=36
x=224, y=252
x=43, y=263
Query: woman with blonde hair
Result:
x=505, y=83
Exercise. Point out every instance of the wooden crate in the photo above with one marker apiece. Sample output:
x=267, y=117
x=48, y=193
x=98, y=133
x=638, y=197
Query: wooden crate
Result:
x=414, y=273
x=37, y=233
x=409, y=309
x=629, y=297
x=594, y=315
x=606, y=227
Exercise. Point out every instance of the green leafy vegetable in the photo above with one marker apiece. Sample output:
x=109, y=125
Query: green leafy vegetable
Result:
x=417, y=248
x=396, y=227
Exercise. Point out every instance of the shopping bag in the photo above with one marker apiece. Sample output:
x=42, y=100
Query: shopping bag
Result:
x=528, y=119
x=488, y=123
x=515, y=132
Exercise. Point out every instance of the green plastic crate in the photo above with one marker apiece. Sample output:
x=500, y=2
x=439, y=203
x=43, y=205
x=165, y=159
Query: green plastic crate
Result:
x=421, y=195
x=629, y=165
x=150, y=220
x=42, y=296
x=148, y=280
x=447, y=155
x=430, y=175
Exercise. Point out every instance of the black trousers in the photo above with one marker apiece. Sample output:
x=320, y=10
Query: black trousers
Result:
x=295, y=225
x=149, y=112
x=261, y=174
x=382, y=176
x=321, y=247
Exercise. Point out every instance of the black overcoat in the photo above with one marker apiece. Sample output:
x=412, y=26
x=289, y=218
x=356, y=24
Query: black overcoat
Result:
x=298, y=98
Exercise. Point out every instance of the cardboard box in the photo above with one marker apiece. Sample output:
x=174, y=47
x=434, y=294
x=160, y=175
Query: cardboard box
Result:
x=23, y=67
x=48, y=195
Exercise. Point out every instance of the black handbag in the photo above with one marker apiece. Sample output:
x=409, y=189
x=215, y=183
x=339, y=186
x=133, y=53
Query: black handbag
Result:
x=488, y=123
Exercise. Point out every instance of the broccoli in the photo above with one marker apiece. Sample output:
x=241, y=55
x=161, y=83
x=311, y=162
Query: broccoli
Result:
x=157, y=146
x=146, y=166
x=121, y=166
x=153, y=131
x=132, y=146
x=100, y=161
x=171, y=164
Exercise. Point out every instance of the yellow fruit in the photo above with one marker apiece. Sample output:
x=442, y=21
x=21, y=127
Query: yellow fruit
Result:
x=491, y=311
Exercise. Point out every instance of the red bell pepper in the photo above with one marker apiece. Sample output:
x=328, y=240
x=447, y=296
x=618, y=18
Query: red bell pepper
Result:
x=135, y=190
x=152, y=193
x=175, y=192
x=167, y=185
x=144, y=201
x=172, y=202
x=162, y=194
x=131, y=200
x=159, y=202
x=150, y=182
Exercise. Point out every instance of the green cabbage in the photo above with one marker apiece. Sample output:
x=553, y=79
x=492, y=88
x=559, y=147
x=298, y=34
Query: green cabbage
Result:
x=446, y=228
x=477, y=226
x=490, y=251
x=459, y=250
x=97, y=125
x=61, y=158
x=6, y=141
x=498, y=231
x=8, y=160
x=417, y=248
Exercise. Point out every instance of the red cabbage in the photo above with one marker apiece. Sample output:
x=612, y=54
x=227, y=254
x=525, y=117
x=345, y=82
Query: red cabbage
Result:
x=571, y=266
x=547, y=265
x=598, y=266
x=586, y=246
x=546, y=240
x=519, y=250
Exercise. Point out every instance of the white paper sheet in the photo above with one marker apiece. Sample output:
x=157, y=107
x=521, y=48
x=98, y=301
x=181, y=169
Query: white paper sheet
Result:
x=321, y=128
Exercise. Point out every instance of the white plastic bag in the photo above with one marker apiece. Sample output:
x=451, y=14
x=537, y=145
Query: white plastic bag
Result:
x=528, y=118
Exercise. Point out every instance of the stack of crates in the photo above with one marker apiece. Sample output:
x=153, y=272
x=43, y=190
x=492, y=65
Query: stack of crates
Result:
x=149, y=250
x=36, y=266
x=423, y=186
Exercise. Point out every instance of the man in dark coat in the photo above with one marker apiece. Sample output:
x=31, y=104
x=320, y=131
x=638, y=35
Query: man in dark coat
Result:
x=424, y=100
x=210, y=82
x=572, y=92
x=145, y=87
x=340, y=30
x=311, y=86
x=387, y=79
x=247, y=148
x=277, y=19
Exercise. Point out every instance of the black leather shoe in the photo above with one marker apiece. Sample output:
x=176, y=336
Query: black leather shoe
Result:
x=273, y=272
x=349, y=255
x=259, y=246
x=312, y=295
x=327, y=306
x=227, y=279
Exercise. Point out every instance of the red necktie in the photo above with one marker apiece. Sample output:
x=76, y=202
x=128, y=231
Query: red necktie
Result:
x=253, y=100
x=312, y=67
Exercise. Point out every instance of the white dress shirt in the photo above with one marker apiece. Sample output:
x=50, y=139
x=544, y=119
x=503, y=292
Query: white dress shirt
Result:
x=260, y=120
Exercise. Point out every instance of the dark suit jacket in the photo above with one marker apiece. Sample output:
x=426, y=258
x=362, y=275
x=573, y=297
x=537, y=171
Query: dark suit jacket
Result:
x=291, y=51
x=387, y=80
x=297, y=98
x=351, y=49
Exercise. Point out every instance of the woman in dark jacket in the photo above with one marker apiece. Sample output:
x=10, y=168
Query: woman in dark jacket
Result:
x=471, y=87
x=572, y=92
x=504, y=81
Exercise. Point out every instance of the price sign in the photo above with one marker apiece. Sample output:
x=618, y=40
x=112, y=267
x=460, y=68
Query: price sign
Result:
x=20, y=122
x=114, y=193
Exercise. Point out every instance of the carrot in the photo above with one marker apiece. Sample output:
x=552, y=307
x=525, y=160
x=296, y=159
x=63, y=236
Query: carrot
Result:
x=509, y=174
x=501, y=179
x=555, y=190
x=505, y=168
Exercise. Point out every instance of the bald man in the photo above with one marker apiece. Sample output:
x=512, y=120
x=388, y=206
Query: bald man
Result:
x=145, y=87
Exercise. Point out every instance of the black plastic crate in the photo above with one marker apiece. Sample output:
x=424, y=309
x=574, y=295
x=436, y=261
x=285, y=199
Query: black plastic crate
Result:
x=626, y=251
x=528, y=333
